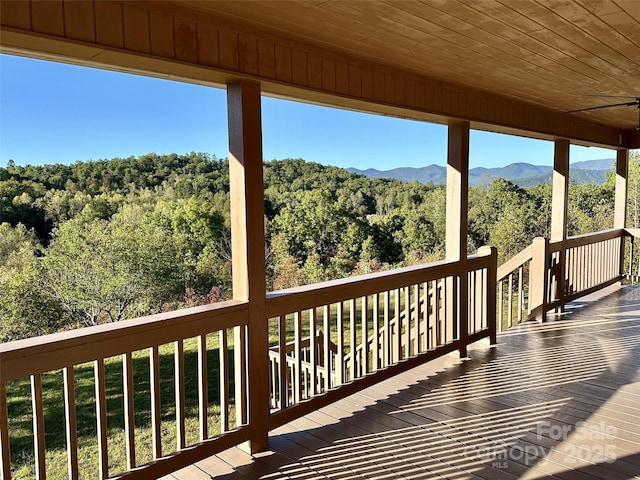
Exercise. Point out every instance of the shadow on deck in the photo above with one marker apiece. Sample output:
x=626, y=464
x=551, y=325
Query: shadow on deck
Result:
x=559, y=400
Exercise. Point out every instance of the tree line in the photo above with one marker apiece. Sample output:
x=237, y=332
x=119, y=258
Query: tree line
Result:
x=102, y=241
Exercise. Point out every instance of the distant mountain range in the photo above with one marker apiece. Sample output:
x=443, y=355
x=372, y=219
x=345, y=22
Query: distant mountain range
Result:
x=522, y=174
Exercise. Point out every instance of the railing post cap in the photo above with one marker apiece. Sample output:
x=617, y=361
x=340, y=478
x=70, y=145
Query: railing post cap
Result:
x=487, y=250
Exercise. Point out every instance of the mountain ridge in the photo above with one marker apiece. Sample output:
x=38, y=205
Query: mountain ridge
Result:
x=522, y=173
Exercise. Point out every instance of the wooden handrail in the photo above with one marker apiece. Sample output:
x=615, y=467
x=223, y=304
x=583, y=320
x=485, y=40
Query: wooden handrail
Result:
x=22, y=358
x=282, y=302
x=586, y=239
x=514, y=262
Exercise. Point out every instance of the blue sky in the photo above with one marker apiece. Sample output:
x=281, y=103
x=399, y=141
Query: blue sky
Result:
x=58, y=113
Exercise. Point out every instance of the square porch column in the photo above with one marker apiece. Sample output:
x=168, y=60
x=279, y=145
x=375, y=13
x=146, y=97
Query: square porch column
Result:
x=456, y=229
x=248, y=248
x=559, y=207
x=620, y=204
x=622, y=172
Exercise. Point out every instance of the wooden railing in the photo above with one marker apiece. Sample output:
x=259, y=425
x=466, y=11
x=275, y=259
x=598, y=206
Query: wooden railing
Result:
x=547, y=275
x=582, y=265
x=201, y=332
x=514, y=283
x=326, y=341
x=371, y=327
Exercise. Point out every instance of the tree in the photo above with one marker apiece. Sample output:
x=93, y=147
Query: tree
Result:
x=106, y=271
x=25, y=309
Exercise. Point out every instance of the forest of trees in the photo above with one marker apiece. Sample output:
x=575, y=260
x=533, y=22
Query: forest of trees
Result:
x=106, y=240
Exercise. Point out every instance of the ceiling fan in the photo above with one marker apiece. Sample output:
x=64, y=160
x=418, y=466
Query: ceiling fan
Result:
x=635, y=102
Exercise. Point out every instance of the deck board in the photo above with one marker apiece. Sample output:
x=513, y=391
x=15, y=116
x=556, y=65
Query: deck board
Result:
x=558, y=400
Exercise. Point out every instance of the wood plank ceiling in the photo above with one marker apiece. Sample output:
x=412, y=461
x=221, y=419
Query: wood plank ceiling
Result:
x=551, y=53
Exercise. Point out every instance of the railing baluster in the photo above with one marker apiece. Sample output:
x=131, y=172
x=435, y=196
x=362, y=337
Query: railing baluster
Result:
x=447, y=310
x=203, y=388
x=585, y=276
x=599, y=262
x=605, y=249
x=510, y=290
x=425, y=318
x=312, y=353
x=340, y=341
x=364, y=368
x=101, y=417
x=398, y=326
x=594, y=262
x=604, y=273
x=500, y=306
x=575, y=260
x=407, y=318
x=129, y=420
x=297, y=350
x=520, y=281
x=418, y=317
x=570, y=270
x=386, y=352
x=223, y=355
x=154, y=374
x=239, y=372
x=178, y=359
x=483, y=295
x=352, y=338
x=604, y=266
x=275, y=382
x=631, y=257
x=376, y=333
x=428, y=315
x=71, y=426
x=284, y=376
x=608, y=259
x=593, y=265
x=484, y=298
x=38, y=426
x=327, y=354
x=5, y=452
x=473, y=301
x=438, y=313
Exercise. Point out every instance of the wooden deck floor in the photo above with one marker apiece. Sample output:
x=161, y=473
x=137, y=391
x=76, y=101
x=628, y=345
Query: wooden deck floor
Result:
x=558, y=400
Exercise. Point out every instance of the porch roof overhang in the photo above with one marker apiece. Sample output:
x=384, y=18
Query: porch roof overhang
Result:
x=511, y=67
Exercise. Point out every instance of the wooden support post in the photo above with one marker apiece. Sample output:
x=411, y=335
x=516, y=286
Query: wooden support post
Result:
x=538, y=279
x=559, y=205
x=622, y=170
x=456, y=235
x=492, y=285
x=248, y=245
x=620, y=209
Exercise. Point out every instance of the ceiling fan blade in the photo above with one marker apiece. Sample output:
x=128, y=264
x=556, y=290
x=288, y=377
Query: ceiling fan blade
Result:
x=626, y=104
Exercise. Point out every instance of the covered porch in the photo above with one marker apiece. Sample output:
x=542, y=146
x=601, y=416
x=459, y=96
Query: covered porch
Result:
x=553, y=400
x=364, y=374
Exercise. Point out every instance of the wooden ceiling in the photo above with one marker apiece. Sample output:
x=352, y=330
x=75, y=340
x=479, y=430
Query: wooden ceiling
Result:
x=554, y=54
